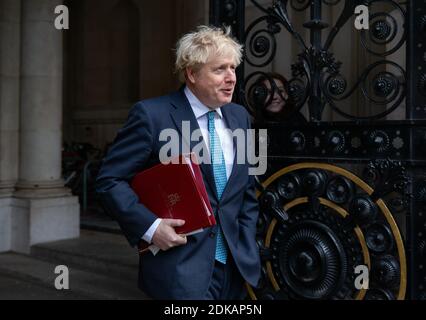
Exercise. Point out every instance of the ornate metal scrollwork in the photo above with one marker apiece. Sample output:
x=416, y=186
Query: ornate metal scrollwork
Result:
x=378, y=88
x=387, y=176
x=384, y=28
x=335, y=222
x=300, y=5
x=328, y=195
x=317, y=78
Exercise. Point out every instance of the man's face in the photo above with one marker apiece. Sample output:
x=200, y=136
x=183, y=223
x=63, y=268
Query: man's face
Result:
x=213, y=84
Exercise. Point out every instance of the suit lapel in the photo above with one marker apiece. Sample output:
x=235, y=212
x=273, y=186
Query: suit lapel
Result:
x=232, y=124
x=181, y=112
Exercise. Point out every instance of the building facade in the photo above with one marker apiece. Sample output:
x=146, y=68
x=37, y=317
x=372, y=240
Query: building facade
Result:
x=78, y=84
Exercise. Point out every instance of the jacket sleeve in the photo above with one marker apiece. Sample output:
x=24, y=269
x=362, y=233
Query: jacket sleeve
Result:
x=249, y=212
x=127, y=156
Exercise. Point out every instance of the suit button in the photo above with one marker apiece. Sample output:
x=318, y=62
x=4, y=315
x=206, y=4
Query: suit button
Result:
x=212, y=234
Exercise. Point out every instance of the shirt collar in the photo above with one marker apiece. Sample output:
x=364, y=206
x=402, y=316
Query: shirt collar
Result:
x=197, y=106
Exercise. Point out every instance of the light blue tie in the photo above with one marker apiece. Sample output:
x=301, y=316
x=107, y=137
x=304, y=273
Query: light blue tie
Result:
x=219, y=172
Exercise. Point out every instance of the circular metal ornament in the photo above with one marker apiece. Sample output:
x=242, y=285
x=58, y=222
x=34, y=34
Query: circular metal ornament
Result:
x=392, y=267
x=313, y=261
x=339, y=190
x=379, y=238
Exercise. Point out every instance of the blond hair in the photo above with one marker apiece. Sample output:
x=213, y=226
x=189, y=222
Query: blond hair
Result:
x=196, y=48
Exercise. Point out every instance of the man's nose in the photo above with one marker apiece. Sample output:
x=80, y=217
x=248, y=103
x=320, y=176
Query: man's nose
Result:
x=230, y=76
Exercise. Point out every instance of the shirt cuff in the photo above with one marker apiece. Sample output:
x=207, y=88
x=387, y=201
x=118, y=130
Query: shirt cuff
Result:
x=150, y=232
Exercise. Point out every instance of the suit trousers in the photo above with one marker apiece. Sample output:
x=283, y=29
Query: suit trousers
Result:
x=226, y=282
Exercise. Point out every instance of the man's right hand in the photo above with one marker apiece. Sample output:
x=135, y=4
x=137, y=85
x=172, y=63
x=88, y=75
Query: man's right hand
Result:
x=165, y=237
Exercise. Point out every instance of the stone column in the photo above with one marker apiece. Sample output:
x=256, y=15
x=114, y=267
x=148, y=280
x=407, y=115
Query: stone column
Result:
x=53, y=212
x=10, y=12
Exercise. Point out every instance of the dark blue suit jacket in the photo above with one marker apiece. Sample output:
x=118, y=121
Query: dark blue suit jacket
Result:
x=182, y=272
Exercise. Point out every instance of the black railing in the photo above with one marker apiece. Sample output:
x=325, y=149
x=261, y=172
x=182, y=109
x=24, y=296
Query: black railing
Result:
x=353, y=190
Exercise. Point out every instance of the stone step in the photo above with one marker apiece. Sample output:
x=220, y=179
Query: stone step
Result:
x=25, y=277
x=15, y=288
x=97, y=252
x=98, y=222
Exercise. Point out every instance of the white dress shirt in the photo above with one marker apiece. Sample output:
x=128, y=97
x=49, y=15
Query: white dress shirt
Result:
x=225, y=137
x=200, y=111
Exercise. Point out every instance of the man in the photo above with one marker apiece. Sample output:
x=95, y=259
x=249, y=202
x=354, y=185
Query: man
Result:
x=212, y=264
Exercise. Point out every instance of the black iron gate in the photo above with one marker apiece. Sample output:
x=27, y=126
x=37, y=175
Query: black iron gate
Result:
x=344, y=196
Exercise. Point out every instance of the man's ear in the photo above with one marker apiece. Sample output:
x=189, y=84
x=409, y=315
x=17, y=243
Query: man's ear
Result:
x=190, y=74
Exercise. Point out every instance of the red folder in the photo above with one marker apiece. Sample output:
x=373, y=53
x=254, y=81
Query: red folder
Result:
x=176, y=191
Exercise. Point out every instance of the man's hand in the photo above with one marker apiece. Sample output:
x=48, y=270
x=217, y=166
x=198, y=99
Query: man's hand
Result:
x=165, y=236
